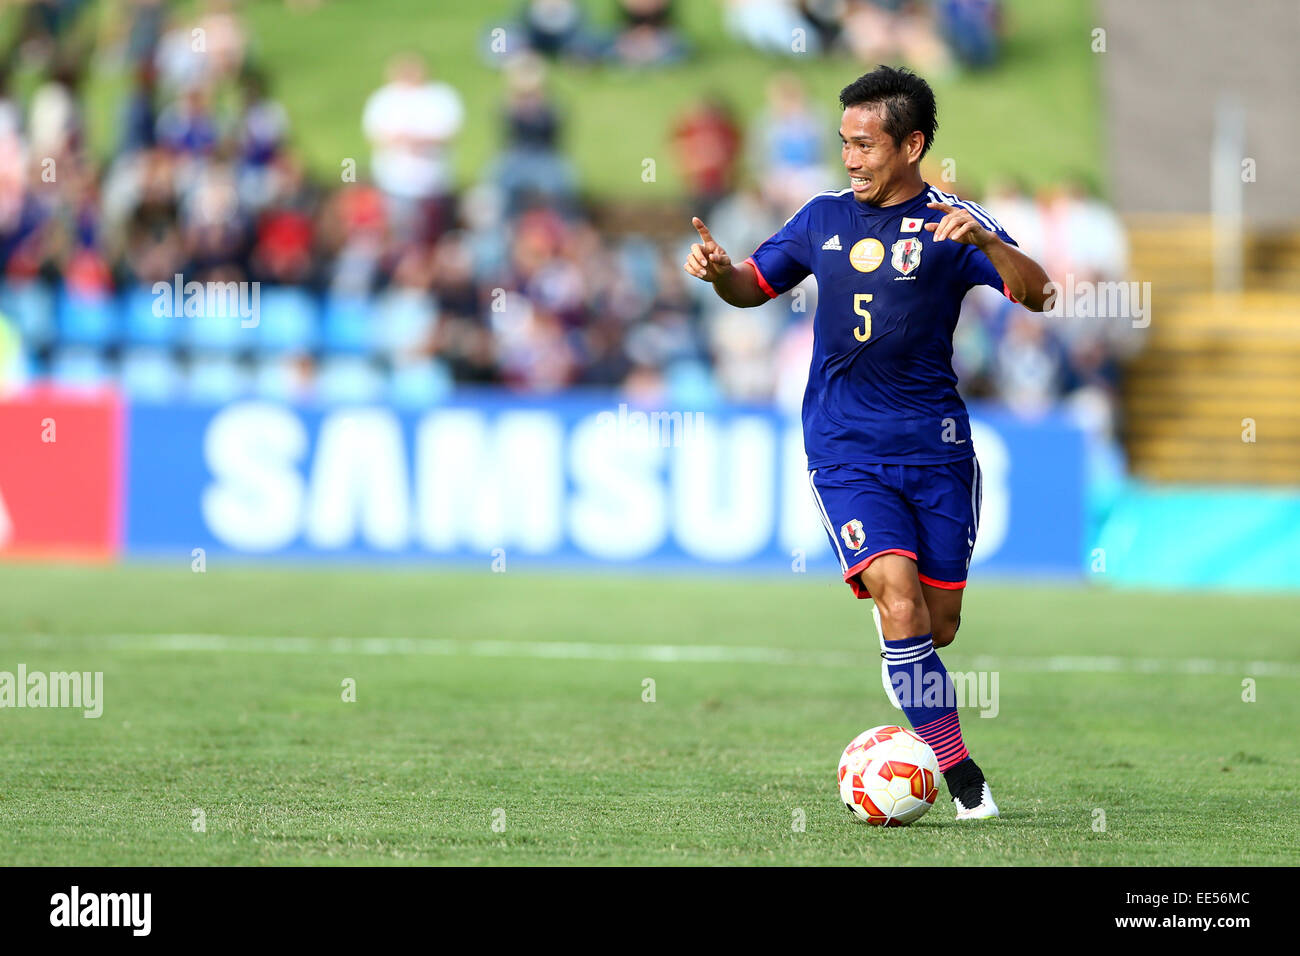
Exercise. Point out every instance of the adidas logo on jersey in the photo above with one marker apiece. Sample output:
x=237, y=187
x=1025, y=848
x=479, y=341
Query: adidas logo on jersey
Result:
x=833, y=243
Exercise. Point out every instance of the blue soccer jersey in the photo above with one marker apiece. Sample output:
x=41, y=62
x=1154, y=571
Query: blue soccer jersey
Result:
x=881, y=388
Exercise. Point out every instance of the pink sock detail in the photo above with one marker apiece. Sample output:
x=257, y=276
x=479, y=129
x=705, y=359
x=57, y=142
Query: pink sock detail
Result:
x=943, y=734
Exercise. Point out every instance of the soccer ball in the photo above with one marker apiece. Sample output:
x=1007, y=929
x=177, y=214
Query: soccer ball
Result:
x=887, y=776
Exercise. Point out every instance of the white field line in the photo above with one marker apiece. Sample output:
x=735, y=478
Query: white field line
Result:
x=651, y=653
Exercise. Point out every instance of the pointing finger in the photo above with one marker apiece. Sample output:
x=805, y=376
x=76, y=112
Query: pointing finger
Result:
x=702, y=229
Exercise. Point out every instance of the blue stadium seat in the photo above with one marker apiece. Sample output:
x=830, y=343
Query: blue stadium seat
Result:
x=140, y=325
x=691, y=384
x=419, y=384
x=287, y=320
x=31, y=306
x=217, y=378
x=79, y=366
x=31, y=369
x=348, y=326
x=280, y=380
x=404, y=320
x=150, y=374
x=347, y=379
x=37, y=366
x=220, y=332
x=86, y=319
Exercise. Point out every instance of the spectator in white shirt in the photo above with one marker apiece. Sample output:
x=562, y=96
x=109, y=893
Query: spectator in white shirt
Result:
x=410, y=121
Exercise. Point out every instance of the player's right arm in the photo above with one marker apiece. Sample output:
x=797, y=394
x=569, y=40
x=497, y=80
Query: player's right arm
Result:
x=735, y=285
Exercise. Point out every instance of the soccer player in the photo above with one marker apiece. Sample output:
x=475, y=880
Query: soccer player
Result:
x=891, y=464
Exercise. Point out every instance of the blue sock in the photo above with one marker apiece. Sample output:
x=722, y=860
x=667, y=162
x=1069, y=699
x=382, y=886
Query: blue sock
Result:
x=925, y=690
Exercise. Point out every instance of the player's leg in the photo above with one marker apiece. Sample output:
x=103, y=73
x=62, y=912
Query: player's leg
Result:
x=877, y=542
x=884, y=667
x=915, y=670
x=944, y=605
x=866, y=519
x=892, y=582
x=946, y=500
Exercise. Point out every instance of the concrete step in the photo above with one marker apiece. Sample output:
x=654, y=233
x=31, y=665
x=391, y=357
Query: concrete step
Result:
x=1184, y=407
x=1149, y=385
x=1219, y=428
x=1213, y=471
x=1159, y=362
x=1248, y=333
x=1227, y=448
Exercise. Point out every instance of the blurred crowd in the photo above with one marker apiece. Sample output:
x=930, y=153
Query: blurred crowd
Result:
x=399, y=284
x=929, y=35
x=646, y=33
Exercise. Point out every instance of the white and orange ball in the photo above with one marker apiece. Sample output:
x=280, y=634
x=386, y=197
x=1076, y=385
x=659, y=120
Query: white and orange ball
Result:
x=888, y=776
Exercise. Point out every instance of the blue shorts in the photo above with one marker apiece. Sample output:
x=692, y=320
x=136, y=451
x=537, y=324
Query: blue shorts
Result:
x=930, y=513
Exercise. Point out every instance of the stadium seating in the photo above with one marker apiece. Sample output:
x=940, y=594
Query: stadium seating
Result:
x=280, y=379
x=419, y=384
x=217, y=378
x=404, y=320
x=691, y=384
x=80, y=366
x=31, y=306
x=287, y=320
x=1215, y=365
x=347, y=328
x=150, y=374
x=140, y=326
x=86, y=319
x=349, y=379
x=217, y=333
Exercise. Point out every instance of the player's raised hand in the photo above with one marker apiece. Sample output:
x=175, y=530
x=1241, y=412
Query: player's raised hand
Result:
x=708, y=260
x=958, y=225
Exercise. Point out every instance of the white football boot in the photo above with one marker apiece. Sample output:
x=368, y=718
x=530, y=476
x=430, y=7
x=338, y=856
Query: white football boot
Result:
x=884, y=665
x=985, y=808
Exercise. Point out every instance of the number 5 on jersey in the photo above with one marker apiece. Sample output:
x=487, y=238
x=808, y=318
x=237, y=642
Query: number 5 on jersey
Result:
x=860, y=301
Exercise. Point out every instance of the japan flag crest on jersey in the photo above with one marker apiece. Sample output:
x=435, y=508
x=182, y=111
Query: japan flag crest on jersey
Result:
x=906, y=255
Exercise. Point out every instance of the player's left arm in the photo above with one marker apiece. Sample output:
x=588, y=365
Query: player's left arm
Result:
x=1025, y=279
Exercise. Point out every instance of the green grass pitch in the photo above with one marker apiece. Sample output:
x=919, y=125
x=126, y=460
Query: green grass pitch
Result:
x=517, y=700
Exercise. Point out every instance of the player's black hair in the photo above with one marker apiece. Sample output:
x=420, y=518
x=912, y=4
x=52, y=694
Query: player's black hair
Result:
x=907, y=101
